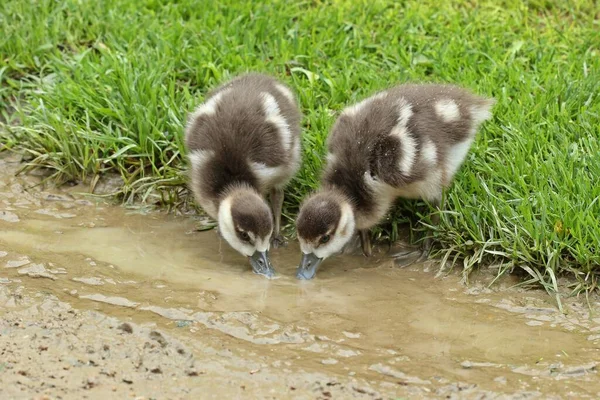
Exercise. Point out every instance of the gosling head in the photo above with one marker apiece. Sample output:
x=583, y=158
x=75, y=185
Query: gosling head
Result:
x=325, y=225
x=246, y=223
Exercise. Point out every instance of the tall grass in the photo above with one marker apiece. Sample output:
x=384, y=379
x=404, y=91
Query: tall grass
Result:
x=105, y=86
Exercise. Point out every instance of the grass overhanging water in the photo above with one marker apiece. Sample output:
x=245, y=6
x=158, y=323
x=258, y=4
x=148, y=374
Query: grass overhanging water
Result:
x=88, y=88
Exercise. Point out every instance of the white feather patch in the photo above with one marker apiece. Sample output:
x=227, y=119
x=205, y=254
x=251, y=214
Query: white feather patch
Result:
x=429, y=189
x=269, y=176
x=456, y=156
x=408, y=146
x=482, y=112
x=342, y=235
x=305, y=246
x=330, y=158
x=287, y=93
x=385, y=195
x=356, y=108
x=198, y=158
x=429, y=152
x=210, y=106
x=447, y=110
x=263, y=244
x=273, y=113
x=404, y=111
x=227, y=229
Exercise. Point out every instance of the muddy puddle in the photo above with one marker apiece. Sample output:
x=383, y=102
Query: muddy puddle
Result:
x=98, y=300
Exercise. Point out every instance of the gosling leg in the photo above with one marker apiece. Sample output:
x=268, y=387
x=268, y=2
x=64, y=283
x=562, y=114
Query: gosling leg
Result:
x=365, y=241
x=415, y=254
x=276, y=205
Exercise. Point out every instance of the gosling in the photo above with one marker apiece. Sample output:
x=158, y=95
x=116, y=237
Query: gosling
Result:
x=408, y=141
x=243, y=143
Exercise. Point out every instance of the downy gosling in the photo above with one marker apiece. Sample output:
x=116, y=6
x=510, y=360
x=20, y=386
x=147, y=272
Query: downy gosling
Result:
x=407, y=141
x=243, y=143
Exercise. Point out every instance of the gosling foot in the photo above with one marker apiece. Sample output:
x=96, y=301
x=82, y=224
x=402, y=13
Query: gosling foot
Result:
x=279, y=241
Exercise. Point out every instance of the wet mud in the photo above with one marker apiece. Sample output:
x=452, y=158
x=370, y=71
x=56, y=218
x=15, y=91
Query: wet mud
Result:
x=101, y=301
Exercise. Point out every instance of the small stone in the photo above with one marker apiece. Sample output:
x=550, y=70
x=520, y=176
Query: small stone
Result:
x=329, y=361
x=155, y=335
x=57, y=197
x=36, y=271
x=347, y=353
x=125, y=327
x=116, y=301
x=8, y=216
x=89, y=383
x=93, y=281
x=17, y=263
x=534, y=323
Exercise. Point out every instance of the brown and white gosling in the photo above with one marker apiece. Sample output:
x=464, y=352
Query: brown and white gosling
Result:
x=407, y=141
x=243, y=142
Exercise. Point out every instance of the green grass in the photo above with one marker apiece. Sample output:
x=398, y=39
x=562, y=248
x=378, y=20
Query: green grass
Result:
x=105, y=86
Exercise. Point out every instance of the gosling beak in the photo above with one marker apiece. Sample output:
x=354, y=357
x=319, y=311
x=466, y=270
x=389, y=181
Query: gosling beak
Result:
x=261, y=264
x=308, y=266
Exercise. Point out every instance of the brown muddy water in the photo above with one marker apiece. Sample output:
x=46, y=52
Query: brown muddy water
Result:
x=99, y=301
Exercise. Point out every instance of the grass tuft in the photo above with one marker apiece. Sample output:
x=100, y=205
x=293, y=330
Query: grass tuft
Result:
x=88, y=88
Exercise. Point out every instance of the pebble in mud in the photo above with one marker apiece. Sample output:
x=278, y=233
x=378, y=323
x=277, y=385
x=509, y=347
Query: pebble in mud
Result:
x=9, y=216
x=17, y=263
x=116, y=301
x=57, y=197
x=501, y=380
x=157, y=336
x=36, y=271
x=55, y=214
x=534, y=323
x=347, y=353
x=92, y=281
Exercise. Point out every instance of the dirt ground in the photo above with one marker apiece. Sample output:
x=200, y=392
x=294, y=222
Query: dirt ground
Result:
x=100, y=301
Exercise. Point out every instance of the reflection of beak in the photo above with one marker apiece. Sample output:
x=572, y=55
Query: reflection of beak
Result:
x=308, y=266
x=261, y=264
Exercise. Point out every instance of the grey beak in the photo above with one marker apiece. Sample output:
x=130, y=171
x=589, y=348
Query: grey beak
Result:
x=261, y=264
x=308, y=266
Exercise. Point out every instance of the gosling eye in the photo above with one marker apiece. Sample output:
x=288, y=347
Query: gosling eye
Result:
x=244, y=236
x=324, y=239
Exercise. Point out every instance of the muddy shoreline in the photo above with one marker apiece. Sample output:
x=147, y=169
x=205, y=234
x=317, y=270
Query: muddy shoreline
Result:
x=99, y=301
